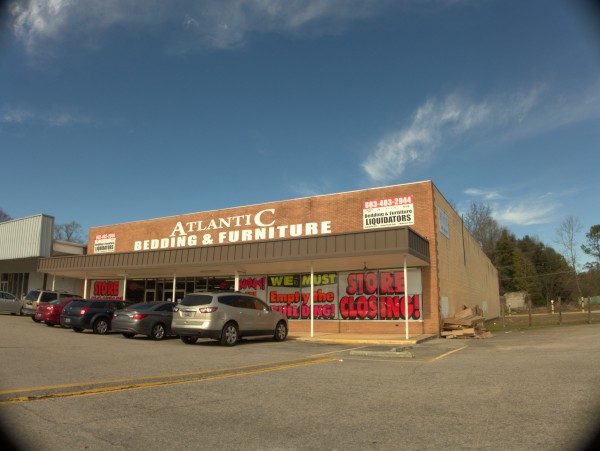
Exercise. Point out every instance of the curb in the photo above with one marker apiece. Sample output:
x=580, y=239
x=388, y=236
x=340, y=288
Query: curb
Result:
x=366, y=340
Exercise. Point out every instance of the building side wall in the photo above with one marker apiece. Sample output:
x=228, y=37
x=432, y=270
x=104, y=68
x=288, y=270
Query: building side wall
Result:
x=467, y=277
x=26, y=237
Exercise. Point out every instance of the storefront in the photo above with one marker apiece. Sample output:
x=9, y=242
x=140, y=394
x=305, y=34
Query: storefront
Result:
x=378, y=260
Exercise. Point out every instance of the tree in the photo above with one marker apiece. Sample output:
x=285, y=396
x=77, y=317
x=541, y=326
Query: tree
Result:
x=526, y=277
x=4, y=216
x=553, y=273
x=566, y=238
x=506, y=248
x=593, y=246
x=484, y=228
x=68, y=232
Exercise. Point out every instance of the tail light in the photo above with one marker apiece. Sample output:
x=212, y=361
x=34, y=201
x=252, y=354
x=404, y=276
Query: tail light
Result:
x=83, y=311
x=138, y=316
x=208, y=309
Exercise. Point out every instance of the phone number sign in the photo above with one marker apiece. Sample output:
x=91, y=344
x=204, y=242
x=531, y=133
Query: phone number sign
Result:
x=105, y=243
x=391, y=212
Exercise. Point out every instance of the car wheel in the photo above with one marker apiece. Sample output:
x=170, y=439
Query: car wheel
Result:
x=189, y=340
x=35, y=320
x=128, y=335
x=230, y=334
x=158, y=331
x=281, y=331
x=48, y=324
x=77, y=329
x=100, y=326
x=21, y=313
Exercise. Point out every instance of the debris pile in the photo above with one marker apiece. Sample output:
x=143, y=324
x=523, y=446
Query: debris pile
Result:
x=465, y=324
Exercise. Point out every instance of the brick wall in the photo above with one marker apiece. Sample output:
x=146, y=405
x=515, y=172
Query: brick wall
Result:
x=344, y=212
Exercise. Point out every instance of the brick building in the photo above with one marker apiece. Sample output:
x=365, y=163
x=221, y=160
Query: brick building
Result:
x=381, y=260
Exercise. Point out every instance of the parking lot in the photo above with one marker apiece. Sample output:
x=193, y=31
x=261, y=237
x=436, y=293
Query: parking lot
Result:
x=62, y=390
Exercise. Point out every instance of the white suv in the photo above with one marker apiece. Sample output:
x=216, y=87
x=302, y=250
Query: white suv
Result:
x=35, y=297
x=227, y=317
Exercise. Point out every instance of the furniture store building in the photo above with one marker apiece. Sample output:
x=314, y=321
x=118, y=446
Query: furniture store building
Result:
x=380, y=260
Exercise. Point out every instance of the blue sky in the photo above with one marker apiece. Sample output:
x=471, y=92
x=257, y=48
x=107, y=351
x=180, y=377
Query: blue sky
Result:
x=120, y=110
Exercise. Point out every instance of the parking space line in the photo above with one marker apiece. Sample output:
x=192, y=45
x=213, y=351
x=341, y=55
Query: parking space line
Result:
x=190, y=377
x=167, y=376
x=446, y=354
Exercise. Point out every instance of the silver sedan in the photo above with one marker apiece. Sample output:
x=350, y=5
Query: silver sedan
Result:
x=147, y=318
x=9, y=303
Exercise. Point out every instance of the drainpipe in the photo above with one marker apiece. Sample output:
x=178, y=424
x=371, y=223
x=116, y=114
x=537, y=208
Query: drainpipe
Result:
x=406, y=298
x=312, y=301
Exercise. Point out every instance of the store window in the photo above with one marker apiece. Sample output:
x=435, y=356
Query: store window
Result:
x=15, y=283
x=149, y=290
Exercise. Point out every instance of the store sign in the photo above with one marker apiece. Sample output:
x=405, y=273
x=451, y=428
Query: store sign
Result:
x=106, y=289
x=232, y=229
x=380, y=295
x=105, y=243
x=370, y=295
x=290, y=294
x=390, y=212
x=255, y=286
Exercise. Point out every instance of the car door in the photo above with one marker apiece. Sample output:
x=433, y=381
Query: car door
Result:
x=9, y=303
x=264, y=316
x=242, y=310
x=256, y=318
x=165, y=313
x=5, y=305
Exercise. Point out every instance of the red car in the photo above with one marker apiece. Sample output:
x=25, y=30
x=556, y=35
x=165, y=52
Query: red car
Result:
x=50, y=312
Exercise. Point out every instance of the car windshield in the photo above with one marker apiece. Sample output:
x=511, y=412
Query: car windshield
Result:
x=32, y=295
x=193, y=300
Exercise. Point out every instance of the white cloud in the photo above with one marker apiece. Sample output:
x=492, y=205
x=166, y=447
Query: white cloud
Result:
x=556, y=109
x=441, y=124
x=528, y=210
x=433, y=124
x=40, y=24
x=15, y=116
x=54, y=118
x=485, y=194
x=525, y=213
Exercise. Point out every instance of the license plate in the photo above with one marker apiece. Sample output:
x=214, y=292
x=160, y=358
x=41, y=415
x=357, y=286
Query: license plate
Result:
x=67, y=320
x=187, y=314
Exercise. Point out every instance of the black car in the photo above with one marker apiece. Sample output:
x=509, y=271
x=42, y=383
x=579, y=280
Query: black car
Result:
x=91, y=314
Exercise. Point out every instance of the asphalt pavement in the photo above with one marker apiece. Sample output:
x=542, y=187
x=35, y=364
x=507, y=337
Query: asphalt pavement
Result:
x=535, y=390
